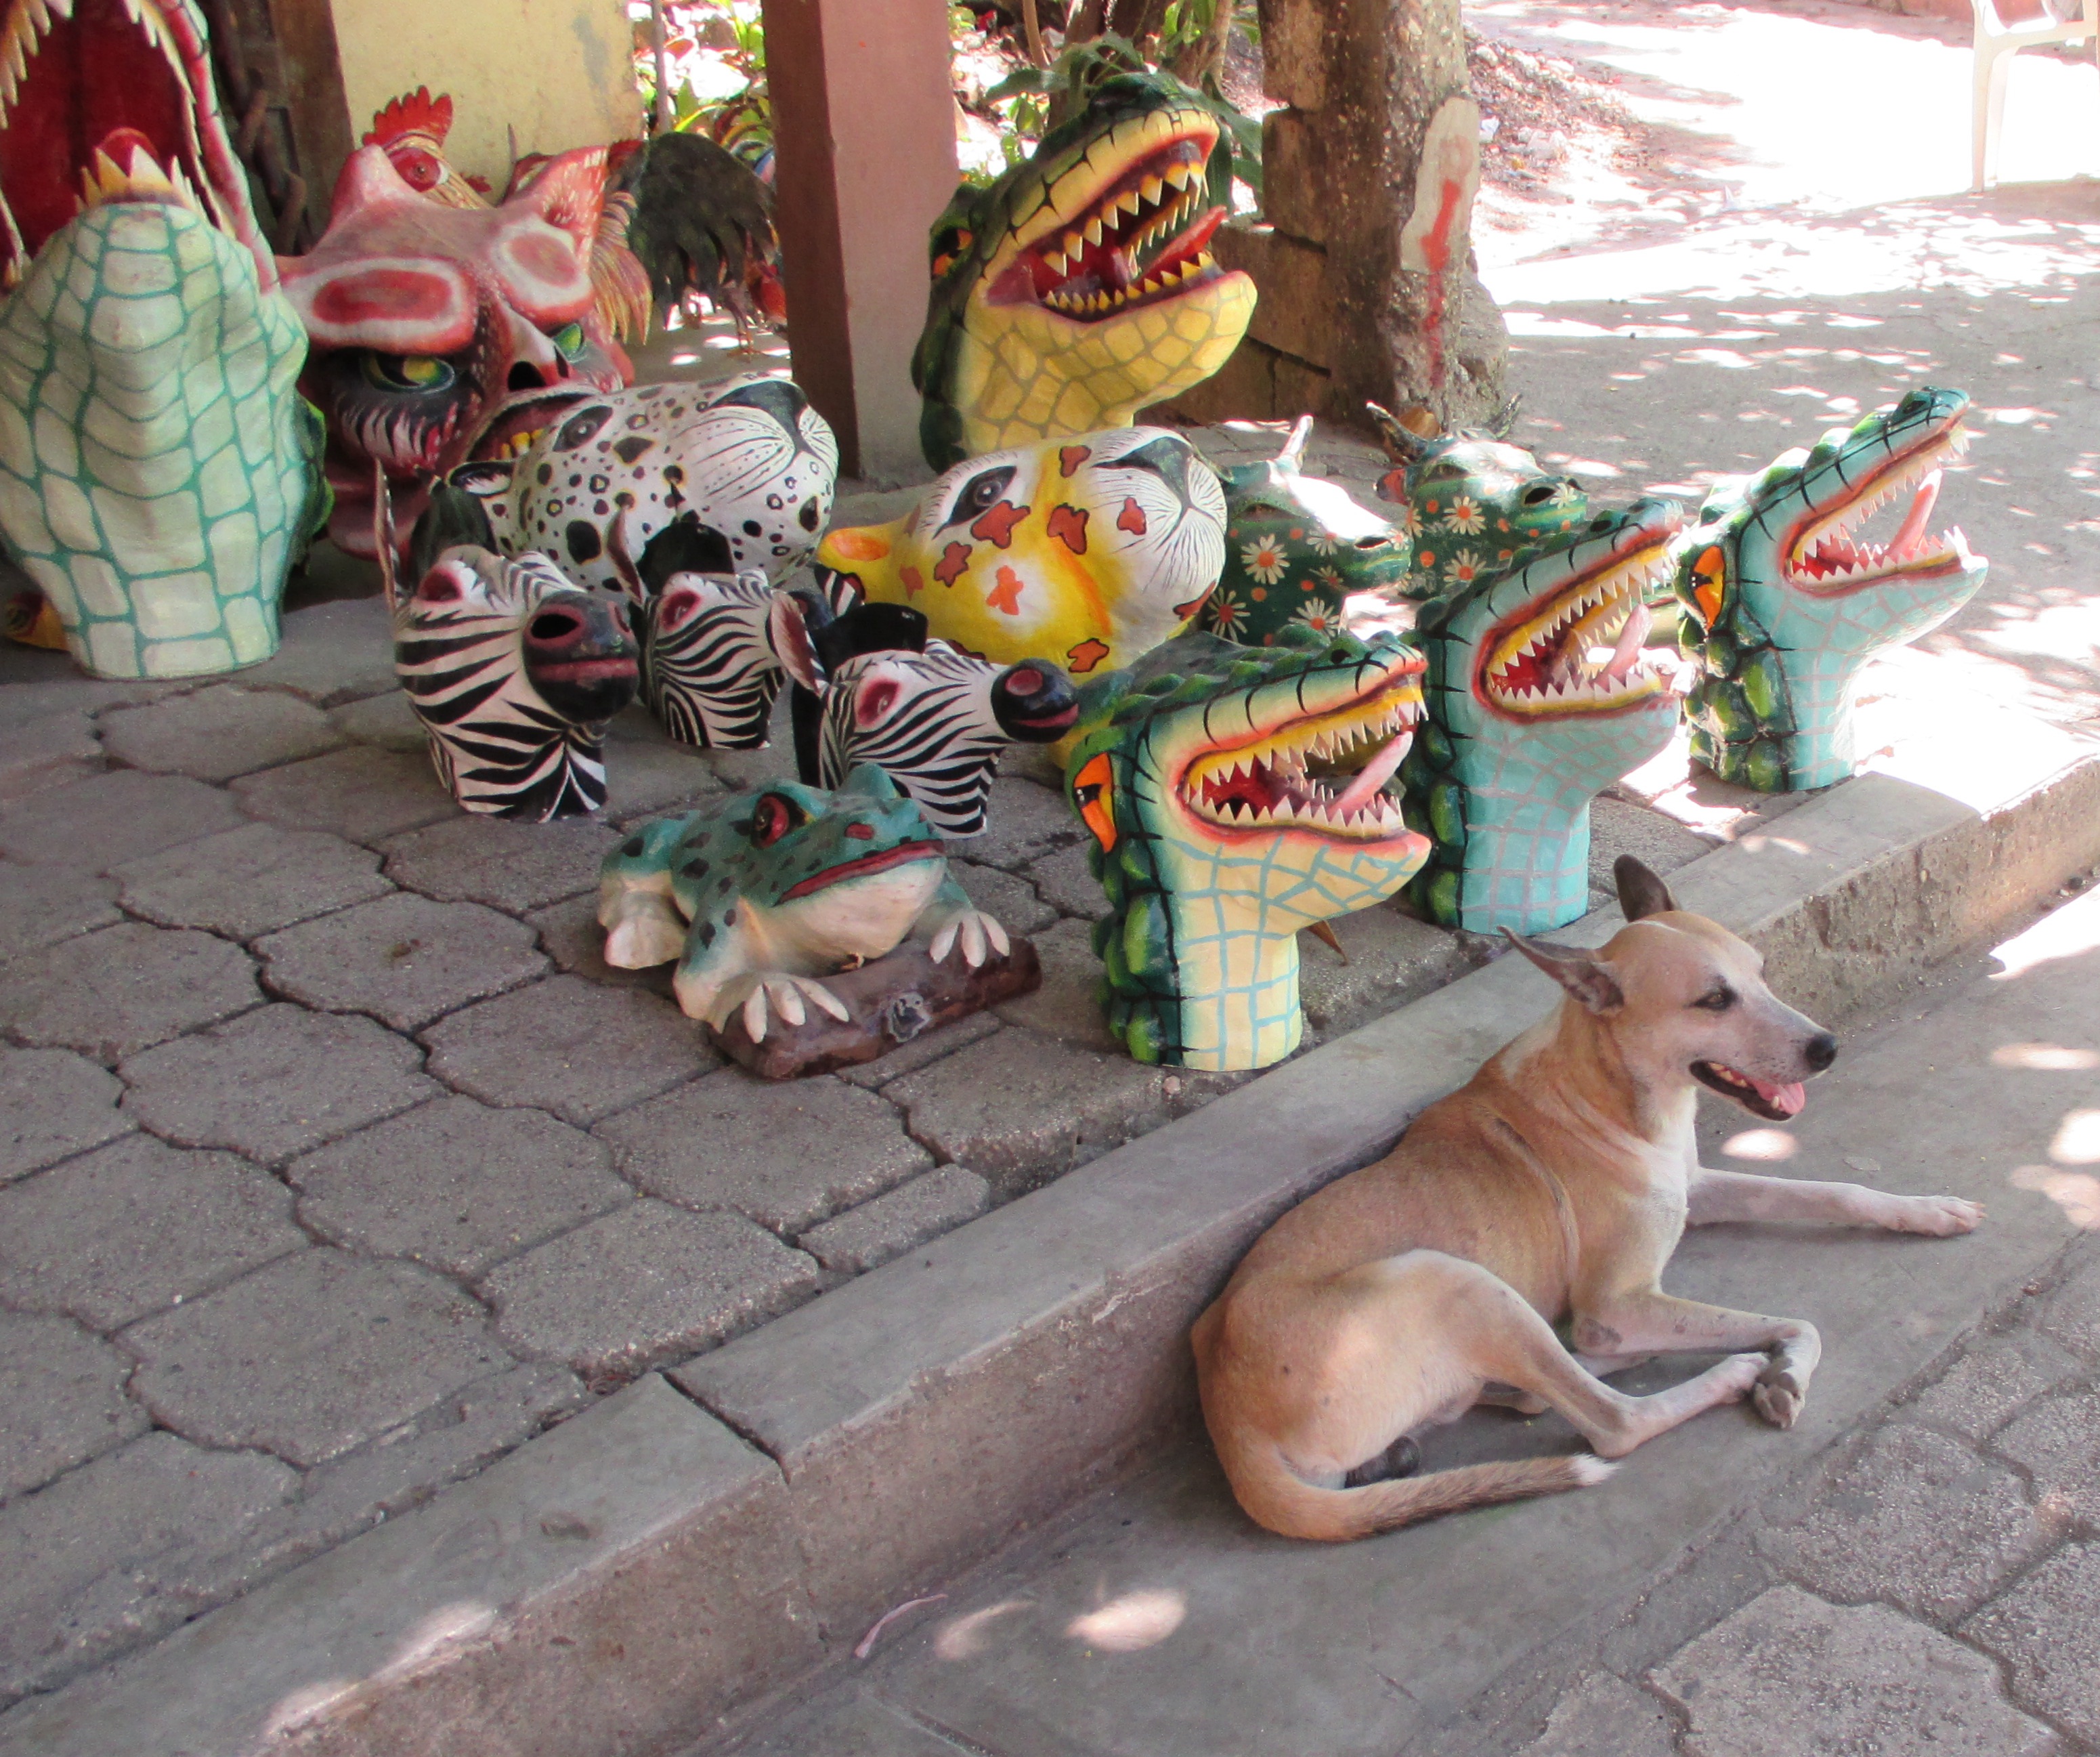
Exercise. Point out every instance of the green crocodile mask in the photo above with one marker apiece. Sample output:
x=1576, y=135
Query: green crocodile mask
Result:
x=1538, y=695
x=1786, y=601
x=1295, y=547
x=1079, y=287
x=1472, y=504
x=1235, y=795
x=158, y=474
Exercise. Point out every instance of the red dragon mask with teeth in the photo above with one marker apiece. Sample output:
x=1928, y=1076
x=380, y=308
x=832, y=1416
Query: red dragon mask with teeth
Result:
x=441, y=335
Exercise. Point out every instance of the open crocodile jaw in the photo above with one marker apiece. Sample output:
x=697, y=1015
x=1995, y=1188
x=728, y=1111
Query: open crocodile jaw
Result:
x=1540, y=663
x=1140, y=238
x=1822, y=557
x=1264, y=785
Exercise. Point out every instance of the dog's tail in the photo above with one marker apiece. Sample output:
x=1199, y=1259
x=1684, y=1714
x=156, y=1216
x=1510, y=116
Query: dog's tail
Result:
x=1275, y=1496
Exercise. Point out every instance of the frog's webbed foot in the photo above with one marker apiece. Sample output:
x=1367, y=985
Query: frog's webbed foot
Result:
x=973, y=930
x=763, y=992
x=643, y=929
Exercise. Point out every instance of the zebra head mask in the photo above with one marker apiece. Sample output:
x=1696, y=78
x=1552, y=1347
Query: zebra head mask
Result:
x=514, y=672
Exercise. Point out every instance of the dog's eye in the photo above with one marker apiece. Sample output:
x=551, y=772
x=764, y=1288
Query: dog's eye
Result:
x=1716, y=1000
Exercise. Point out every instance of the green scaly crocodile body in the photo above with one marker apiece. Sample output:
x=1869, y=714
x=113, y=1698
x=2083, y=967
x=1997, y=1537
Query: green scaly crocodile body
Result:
x=1235, y=795
x=1538, y=696
x=1784, y=603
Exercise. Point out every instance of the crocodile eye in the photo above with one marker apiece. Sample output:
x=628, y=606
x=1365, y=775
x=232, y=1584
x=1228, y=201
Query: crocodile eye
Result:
x=568, y=340
x=773, y=817
x=980, y=494
x=1090, y=788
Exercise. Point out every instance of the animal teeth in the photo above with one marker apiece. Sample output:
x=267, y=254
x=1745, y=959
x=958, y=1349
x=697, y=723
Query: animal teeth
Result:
x=1152, y=189
x=1075, y=245
x=1129, y=201
x=1094, y=230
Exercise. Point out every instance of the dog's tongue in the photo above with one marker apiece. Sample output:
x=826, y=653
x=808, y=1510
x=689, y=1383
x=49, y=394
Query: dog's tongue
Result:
x=1786, y=1100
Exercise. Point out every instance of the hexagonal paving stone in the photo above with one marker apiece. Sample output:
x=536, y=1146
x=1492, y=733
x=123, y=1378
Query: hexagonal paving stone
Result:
x=64, y=1392
x=310, y=1355
x=48, y=751
x=361, y=793
x=116, y=992
x=102, y=821
x=1916, y=1521
x=337, y=651
x=568, y=1046
x=647, y=1285
x=386, y=721
x=1066, y=1005
x=786, y=1155
x=1789, y=1673
x=2047, y=1629
x=77, y=1582
x=39, y=906
x=514, y=867
x=1067, y=884
x=403, y=959
x=1018, y=1109
x=870, y=1235
x=275, y=1082
x=127, y=1230
x=1025, y=820
x=456, y=1185
x=1011, y=899
x=53, y=1104
x=217, y=733
x=251, y=880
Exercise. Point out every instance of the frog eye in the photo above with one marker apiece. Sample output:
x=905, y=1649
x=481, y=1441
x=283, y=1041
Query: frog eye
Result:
x=1090, y=788
x=406, y=372
x=568, y=341
x=773, y=817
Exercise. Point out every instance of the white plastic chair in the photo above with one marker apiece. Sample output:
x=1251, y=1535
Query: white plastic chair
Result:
x=1996, y=44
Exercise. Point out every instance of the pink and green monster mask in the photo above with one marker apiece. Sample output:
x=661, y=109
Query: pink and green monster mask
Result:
x=441, y=335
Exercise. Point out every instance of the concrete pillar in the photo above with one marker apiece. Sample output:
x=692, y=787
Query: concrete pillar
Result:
x=1364, y=256
x=864, y=128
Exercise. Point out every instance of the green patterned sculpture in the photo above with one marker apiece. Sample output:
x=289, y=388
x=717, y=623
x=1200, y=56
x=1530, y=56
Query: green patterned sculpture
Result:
x=1235, y=795
x=159, y=474
x=1784, y=603
x=1473, y=504
x=1538, y=696
x=1295, y=547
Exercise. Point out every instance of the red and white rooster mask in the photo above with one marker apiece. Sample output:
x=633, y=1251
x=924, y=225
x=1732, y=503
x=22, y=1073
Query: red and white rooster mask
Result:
x=443, y=334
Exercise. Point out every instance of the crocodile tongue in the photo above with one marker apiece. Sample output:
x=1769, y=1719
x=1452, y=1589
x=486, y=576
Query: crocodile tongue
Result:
x=1372, y=776
x=1920, y=509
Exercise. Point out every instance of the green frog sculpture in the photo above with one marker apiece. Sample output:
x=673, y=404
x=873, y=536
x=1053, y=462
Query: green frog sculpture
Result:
x=1473, y=504
x=1295, y=547
x=1235, y=795
x=760, y=896
x=1079, y=287
x=1538, y=695
x=1785, y=601
x=159, y=473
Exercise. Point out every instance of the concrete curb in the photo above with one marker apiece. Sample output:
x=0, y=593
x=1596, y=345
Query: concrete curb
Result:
x=618, y=1584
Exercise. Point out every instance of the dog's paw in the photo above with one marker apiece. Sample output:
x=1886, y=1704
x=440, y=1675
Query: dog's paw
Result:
x=1738, y=1374
x=1940, y=1217
x=1779, y=1396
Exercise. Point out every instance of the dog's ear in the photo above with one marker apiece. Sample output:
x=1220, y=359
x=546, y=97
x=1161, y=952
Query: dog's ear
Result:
x=1641, y=893
x=1591, y=984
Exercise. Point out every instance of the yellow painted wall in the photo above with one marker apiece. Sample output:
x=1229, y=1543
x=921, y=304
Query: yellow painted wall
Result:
x=559, y=71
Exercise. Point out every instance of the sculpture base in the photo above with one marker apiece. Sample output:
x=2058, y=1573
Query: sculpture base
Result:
x=890, y=1002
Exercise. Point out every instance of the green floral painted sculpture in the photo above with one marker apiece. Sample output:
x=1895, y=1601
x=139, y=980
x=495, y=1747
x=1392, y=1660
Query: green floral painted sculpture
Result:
x=1473, y=504
x=1784, y=602
x=1295, y=547
x=1235, y=795
x=159, y=473
x=1538, y=696
x=758, y=896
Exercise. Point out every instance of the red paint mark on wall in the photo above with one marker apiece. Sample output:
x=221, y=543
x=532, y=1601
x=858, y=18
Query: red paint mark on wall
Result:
x=1436, y=247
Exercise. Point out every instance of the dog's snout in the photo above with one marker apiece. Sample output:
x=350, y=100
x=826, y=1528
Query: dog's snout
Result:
x=1819, y=1051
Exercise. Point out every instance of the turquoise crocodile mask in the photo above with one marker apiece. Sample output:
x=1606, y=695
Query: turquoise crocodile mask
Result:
x=1786, y=601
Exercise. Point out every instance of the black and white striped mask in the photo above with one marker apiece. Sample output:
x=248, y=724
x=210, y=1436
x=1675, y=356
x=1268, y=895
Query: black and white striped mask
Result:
x=514, y=672
x=711, y=668
x=937, y=720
